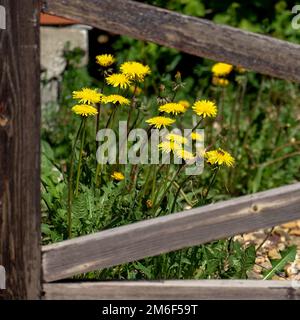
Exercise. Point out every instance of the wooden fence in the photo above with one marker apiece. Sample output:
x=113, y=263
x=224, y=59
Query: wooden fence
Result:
x=20, y=250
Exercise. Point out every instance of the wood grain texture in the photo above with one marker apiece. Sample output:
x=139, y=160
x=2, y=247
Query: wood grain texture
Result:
x=174, y=290
x=196, y=36
x=19, y=150
x=172, y=232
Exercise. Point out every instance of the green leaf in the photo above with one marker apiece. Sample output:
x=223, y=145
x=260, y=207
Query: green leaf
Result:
x=287, y=255
x=257, y=179
x=185, y=261
x=47, y=150
x=143, y=269
x=46, y=229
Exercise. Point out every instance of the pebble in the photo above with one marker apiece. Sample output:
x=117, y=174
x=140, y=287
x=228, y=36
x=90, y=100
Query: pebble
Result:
x=274, y=254
x=295, y=232
x=282, y=237
x=275, y=277
x=290, y=225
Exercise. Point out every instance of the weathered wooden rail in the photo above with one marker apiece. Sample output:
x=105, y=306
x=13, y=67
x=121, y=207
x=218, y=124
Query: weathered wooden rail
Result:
x=20, y=150
x=174, y=290
x=20, y=252
x=189, y=34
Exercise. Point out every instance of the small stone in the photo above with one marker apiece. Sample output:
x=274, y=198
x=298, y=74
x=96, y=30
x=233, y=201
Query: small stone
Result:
x=266, y=264
x=249, y=237
x=275, y=277
x=253, y=275
x=291, y=270
x=295, y=232
x=290, y=225
x=260, y=259
x=283, y=239
x=238, y=238
x=257, y=269
x=274, y=254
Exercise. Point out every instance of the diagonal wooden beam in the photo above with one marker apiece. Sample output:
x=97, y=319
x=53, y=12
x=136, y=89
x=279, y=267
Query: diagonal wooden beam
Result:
x=164, y=234
x=196, y=36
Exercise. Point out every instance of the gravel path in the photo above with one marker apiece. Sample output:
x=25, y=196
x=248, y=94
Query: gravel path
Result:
x=281, y=237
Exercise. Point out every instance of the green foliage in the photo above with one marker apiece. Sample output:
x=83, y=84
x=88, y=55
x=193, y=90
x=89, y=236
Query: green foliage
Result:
x=287, y=255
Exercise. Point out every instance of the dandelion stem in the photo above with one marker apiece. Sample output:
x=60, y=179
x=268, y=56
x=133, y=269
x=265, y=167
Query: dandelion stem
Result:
x=133, y=177
x=98, y=173
x=178, y=191
x=153, y=195
x=146, y=184
x=211, y=182
x=110, y=117
x=174, y=95
x=80, y=157
x=197, y=125
x=70, y=182
x=183, y=195
x=99, y=110
x=98, y=119
x=135, y=120
x=109, y=124
x=168, y=187
x=131, y=107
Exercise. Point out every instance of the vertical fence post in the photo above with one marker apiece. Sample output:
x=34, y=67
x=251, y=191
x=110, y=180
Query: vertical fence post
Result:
x=20, y=150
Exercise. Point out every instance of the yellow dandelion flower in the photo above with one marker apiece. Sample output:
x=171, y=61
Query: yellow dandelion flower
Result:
x=149, y=203
x=168, y=146
x=118, y=80
x=220, y=157
x=87, y=95
x=196, y=136
x=115, y=98
x=205, y=108
x=221, y=69
x=84, y=110
x=184, y=154
x=105, y=60
x=177, y=138
x=221, y=82
x=136, y=90
x=135, y=70
x=172, y=107
x=118, y=176
x=185, y=103
x=240, y=69
x=159, y=122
